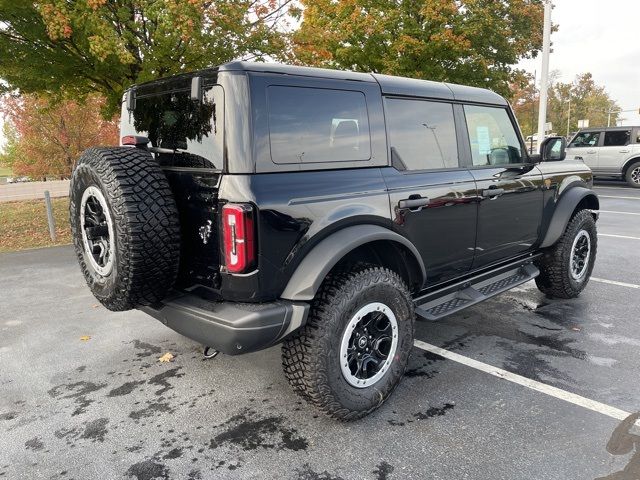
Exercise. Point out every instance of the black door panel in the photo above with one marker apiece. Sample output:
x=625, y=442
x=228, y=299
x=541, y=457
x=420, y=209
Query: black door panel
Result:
x=509, y=212
x=437, y=211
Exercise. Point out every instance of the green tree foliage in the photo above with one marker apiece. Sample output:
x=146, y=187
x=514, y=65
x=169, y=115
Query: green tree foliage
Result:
x=588, y=101
x=474, y=42
x=84, y=46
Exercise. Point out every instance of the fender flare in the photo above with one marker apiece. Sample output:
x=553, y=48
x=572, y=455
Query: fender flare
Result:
x=313, y=269
x=565, y=207
x=627, y=164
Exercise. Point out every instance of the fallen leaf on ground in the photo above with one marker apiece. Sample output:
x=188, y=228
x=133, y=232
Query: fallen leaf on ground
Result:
x=84, y=338
x=167, y=357
x=575, y=329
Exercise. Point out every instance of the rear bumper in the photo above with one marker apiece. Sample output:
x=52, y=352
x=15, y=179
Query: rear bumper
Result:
x=230, y=327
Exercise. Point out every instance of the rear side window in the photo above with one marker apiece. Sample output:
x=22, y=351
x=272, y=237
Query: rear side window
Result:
x=492, y=136
x=311, y=125
x=422, y=134
x=617, y=138
x=585, y=139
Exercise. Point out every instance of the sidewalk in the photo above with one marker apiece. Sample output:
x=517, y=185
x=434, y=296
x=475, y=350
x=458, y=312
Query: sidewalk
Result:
x=12, y=192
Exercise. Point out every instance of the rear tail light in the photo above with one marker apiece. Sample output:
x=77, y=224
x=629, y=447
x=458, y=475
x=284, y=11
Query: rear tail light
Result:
x=134, y=140
x=238, y=233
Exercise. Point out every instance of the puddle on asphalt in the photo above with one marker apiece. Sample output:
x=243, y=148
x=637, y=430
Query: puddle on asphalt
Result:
x=624, y=440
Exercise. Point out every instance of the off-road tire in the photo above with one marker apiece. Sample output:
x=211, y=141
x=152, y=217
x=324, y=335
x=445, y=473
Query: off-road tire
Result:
x=631, y=171
x=555, y=280
x=311, y=357
x=145, y=221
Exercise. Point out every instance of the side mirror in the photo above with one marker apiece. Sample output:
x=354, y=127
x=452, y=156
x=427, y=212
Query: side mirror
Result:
x=553, y=149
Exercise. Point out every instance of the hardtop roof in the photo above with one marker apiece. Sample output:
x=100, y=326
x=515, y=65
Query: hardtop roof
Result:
x=389, y=85
x=600, y=129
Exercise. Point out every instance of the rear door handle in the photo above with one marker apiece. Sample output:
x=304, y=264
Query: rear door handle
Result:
x=492, y=192
x=591, y=151
x=413, y=203
x=625, y=151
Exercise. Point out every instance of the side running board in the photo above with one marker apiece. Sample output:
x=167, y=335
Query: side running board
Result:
x=441, y=303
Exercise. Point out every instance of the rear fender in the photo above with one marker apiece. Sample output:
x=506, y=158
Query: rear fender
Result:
x=308, y=276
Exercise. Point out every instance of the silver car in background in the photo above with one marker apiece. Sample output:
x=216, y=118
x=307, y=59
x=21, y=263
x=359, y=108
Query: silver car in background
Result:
x=609, y=152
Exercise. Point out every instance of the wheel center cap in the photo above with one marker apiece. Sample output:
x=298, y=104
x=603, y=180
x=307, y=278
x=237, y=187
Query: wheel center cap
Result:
x=362, y=342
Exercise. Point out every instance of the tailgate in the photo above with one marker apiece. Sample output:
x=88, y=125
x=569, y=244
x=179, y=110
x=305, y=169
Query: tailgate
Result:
x=196, y=194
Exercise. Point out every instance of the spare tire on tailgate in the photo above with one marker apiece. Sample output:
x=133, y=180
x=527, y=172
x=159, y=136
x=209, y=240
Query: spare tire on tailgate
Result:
x=125, y=226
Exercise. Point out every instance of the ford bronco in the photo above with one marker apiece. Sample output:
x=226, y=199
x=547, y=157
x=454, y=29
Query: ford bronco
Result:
x=257, y=204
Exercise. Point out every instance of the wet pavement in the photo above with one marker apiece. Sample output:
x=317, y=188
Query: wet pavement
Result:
x=105, y=407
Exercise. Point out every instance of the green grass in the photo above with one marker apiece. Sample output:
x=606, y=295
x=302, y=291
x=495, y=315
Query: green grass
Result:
x=24, y=224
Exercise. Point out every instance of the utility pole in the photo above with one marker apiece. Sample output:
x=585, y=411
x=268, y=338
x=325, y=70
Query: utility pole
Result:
x=533, y=109
x=544, y=78
x=569, y=114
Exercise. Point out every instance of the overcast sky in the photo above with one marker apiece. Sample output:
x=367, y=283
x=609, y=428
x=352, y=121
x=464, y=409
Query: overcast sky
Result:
x=601, y=37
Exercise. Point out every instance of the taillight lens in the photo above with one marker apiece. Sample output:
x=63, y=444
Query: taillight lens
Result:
x=238, y=233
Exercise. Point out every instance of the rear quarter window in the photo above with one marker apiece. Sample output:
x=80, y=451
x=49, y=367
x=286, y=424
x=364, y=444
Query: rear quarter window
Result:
x=317, y=125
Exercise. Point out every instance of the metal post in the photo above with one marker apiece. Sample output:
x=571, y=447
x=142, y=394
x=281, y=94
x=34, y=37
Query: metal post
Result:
x=544, y=78
x=52, y=222
x=569, y=115
x=533, y=110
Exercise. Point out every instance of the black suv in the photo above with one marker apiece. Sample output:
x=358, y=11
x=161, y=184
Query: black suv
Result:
x=253, y=204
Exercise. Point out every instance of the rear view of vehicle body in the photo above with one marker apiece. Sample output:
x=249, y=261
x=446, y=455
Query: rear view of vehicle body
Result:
x=609, y=152
x=254, y=204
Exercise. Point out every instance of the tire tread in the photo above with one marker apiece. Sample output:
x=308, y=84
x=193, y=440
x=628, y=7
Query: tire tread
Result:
x=146, y=224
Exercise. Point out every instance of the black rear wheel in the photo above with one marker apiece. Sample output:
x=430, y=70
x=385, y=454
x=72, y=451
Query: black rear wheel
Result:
x=355, y=347
x=125, y=227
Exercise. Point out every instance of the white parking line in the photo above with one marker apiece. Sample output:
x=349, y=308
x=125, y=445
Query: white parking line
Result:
x=613, y=282
x=573, y=398
x=604, y=187
x=621, y=213
x=617, y=236
x=623, y=198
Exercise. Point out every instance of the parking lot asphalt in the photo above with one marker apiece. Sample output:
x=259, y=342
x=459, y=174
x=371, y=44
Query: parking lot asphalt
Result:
x=83, y=394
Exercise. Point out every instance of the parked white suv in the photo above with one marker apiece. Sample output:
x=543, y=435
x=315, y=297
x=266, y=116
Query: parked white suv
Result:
x=609, y=152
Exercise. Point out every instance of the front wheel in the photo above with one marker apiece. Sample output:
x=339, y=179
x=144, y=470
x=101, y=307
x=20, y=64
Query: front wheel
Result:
x=565, y=268
x=355, y=347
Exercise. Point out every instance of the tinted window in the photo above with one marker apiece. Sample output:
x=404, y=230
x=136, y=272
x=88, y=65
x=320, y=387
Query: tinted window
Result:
x=585, y=139
x=493, y=138
x=617, y=138
x=422, y=134
x=317, y=125
x=187, y=133
x=637, y=135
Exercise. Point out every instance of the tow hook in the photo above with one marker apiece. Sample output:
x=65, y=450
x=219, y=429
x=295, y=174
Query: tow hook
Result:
x=209, y=353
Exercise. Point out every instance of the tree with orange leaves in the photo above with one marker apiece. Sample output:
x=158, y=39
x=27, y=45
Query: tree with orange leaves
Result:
x=104, y=46
x=473, y=42
x=44, y=139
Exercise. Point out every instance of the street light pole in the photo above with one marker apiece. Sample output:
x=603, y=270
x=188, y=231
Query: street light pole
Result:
x=569, y=114
x=544, y=79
